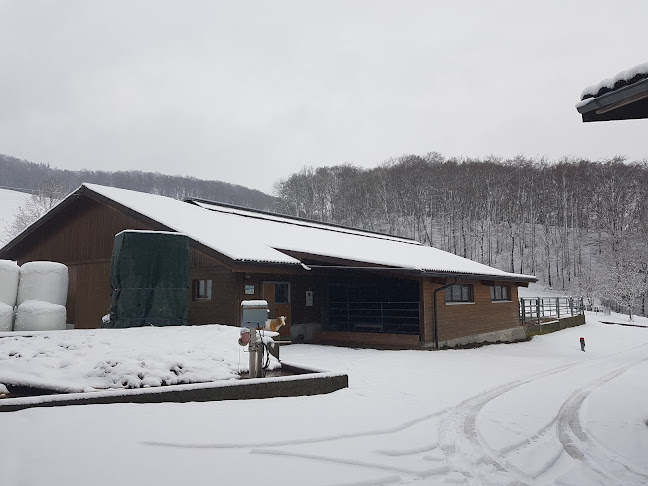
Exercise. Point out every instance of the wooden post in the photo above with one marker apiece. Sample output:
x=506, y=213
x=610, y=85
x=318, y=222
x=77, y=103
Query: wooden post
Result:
x=558, y=307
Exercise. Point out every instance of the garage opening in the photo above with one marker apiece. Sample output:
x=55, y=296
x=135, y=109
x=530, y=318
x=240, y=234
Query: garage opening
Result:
x=383, y=306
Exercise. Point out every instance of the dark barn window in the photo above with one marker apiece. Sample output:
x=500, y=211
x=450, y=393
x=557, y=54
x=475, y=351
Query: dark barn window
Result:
x=459, y=293
x=500, y=293
x=201, y=290
x=387, y=305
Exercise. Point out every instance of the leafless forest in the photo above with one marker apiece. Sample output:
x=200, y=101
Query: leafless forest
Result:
x=578, y=225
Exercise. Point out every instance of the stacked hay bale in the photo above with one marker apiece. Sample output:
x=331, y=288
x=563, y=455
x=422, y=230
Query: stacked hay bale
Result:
x=9, y=277
x=41, y=297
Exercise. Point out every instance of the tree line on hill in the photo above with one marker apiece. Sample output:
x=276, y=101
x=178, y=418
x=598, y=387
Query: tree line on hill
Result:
x=38, y=177
x=578, y=225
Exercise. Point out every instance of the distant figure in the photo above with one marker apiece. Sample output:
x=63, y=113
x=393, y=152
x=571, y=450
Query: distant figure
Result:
x=582, y=341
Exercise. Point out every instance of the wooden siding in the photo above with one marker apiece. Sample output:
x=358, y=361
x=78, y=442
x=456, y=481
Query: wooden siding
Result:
x=92, y=294
x=221, y=308
x=85, y=232
x=457, y=320
x=367, y=339
x=81, y=237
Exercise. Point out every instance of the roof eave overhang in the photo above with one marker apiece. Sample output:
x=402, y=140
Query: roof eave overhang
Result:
x=478, y=276
x=602, y=108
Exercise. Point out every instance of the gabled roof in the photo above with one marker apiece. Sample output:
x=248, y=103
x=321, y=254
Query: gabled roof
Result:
x=621, y=97
x=256, y=237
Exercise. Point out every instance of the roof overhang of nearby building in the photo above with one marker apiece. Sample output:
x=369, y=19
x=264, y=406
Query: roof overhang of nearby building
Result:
x=626, y=103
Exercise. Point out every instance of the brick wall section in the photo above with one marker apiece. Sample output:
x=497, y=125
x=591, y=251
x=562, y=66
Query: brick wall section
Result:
x=460, y=320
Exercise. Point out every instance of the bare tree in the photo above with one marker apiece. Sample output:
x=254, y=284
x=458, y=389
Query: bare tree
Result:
x=45, y=198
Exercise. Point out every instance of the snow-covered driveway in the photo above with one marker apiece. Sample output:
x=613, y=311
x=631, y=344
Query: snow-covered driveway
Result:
x=540, y=412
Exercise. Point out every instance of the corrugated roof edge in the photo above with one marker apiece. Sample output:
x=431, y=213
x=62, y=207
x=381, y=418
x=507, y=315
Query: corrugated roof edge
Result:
x=304, y=222
x=620, y=80
x=612, y=99
x=511, y=277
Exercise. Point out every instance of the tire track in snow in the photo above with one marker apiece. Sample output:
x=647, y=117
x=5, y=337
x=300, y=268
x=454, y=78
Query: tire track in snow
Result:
x=351, y=462
x=577, y=443
x=466, y=452
x=314, y=440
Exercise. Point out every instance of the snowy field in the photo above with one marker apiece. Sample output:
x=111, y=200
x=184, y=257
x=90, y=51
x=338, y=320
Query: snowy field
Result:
x=9, y=203
x=86, y=360
x=539, y=412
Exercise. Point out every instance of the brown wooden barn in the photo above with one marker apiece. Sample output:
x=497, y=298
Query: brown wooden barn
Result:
x=334, y=284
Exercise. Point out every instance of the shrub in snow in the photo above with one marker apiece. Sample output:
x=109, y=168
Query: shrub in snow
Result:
x=9, y=276
x=44, y=281
x=35, y=315
x=6, y=317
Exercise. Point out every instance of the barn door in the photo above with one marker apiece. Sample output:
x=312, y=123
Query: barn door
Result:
x=277, y=294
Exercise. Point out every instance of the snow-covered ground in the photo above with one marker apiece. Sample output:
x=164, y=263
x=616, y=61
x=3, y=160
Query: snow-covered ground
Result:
x=9, y=203
x=85, y=360
x=539, y=412
x=539, y=289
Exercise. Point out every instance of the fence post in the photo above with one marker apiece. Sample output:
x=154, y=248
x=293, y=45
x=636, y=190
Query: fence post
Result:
x=523, y=309
x=571, y=306
x=538, y=309
x=558, y=307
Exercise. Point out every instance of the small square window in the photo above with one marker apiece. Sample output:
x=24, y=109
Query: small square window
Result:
x=201, y=289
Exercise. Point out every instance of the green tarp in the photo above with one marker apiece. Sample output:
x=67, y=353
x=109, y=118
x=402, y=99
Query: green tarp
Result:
x=149, y=276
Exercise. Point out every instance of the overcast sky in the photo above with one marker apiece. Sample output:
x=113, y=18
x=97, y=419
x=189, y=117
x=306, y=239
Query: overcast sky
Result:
x=249, y=92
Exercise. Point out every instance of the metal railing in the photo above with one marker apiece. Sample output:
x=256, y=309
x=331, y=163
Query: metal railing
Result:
x=541, y=309
x=389, y=317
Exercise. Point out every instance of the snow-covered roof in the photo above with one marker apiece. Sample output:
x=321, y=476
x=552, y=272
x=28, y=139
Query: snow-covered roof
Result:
x=251, y=236
x=624, y=78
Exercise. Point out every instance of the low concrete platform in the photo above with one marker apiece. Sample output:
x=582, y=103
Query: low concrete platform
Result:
x=534, y=329
x=302, y=382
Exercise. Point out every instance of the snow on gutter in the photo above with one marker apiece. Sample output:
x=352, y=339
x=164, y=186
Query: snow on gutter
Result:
x=615, y=99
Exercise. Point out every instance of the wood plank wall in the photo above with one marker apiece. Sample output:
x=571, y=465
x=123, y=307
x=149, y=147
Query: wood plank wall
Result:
x=221, y=309
x=465, y=319
x=82, y=238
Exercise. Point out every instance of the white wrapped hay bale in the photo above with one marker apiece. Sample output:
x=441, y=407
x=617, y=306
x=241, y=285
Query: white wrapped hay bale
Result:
x=36, y=315
x=9, y=277
x=6, y=317
x=44, y=281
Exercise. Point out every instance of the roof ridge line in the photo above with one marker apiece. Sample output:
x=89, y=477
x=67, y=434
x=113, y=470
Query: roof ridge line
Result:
x=303, y=222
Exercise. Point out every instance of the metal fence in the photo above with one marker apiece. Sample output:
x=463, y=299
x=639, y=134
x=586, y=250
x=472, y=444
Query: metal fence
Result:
x=546, y=308
x=389, y=317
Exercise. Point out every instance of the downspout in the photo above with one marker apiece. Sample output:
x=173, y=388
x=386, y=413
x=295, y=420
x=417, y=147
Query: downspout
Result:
x=436, y=322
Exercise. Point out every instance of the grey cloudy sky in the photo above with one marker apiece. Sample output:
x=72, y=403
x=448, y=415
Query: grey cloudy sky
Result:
x=250, y=91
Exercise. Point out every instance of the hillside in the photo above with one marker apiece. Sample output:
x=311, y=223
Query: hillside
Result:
x=22, y=174
x=9, y=203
